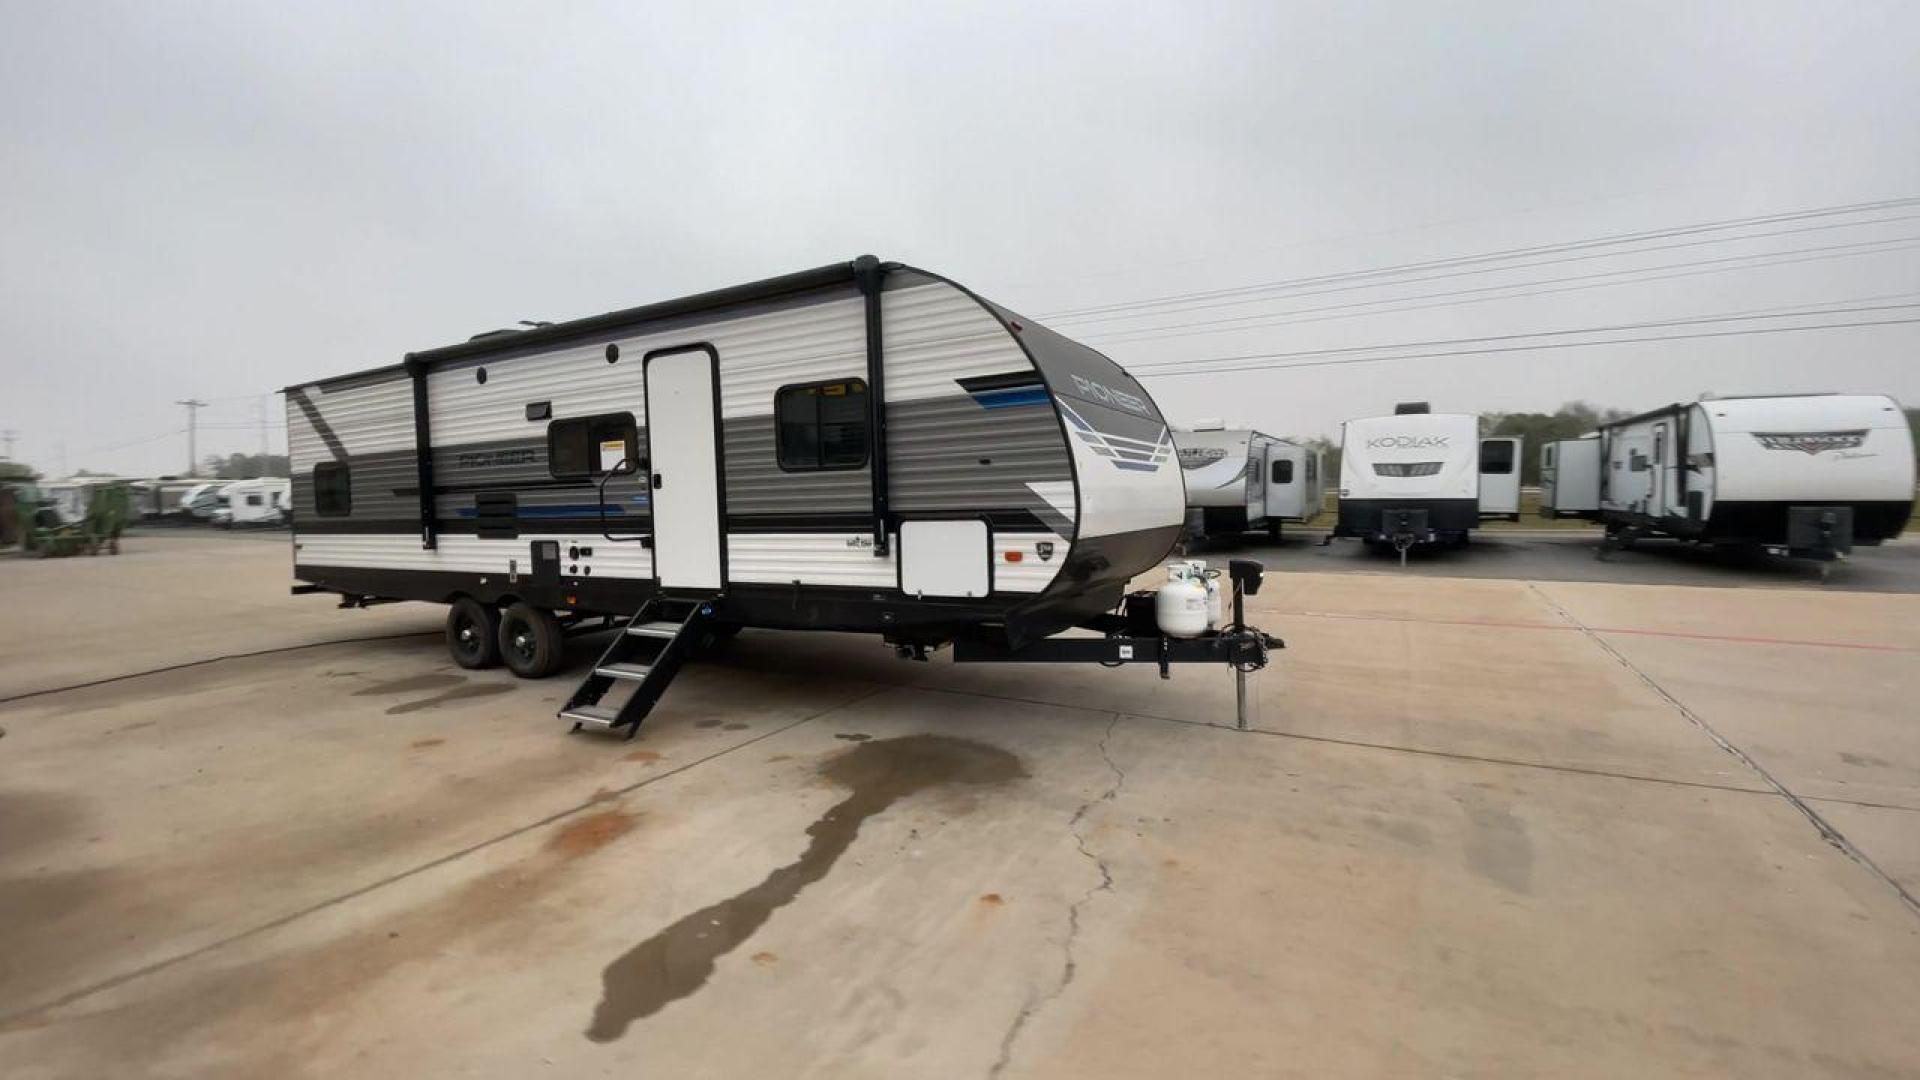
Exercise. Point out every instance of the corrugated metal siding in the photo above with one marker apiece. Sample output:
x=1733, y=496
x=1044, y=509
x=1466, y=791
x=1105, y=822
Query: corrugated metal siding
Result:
x=756, y=484
x=370, y=420
x=951, y=454
x=464, y=554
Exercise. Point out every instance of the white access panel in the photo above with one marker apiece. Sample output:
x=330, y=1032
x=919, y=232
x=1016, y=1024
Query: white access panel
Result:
x=685, y=464
x=945, y=558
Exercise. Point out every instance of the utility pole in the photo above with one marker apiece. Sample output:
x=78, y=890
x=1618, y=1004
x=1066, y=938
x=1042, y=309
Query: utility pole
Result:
x=193, y=417
x=263, y=428
x=7, y=437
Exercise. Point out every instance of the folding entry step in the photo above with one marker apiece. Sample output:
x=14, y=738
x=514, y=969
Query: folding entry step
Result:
x=645, y=655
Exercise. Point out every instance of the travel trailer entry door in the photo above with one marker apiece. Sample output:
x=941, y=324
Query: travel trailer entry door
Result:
x=1659, y=481
x=684, y=458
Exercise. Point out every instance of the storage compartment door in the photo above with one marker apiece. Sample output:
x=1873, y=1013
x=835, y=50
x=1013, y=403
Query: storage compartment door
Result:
x=946, y=558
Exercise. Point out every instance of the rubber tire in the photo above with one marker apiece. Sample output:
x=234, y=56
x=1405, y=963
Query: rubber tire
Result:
x=485, y=643
x=546, y=645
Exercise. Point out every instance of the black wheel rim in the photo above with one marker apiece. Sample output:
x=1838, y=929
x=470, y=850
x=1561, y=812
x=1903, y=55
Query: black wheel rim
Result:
x=521, y=643
x=468, y=637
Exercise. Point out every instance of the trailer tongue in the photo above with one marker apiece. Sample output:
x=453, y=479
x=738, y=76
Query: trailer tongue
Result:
x=651, y=648
x=1134, y=636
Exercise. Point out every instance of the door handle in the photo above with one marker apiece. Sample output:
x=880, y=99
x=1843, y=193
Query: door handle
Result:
x=658, y=483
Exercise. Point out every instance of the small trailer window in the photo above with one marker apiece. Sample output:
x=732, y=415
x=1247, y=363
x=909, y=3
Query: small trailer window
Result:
x=1283, y=471
x=1496, y=457
x=255, y=499
x=821, y=425
x=332, y=489
x=588, y=446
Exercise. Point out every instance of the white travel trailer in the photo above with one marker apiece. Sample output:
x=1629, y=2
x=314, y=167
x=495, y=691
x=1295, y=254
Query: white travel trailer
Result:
x=862, y=447
x=1420, y=477
x=166, y=497
x=1240, y=480
x=265, y=500
x=1809, y=475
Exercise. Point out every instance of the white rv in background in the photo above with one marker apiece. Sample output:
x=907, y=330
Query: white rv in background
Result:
x=265, y=500
x=1421, y=477
x=1240, y=480
x=1808, y=475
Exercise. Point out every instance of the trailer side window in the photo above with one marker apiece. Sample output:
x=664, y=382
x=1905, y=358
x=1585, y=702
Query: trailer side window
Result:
x=1496, y=457
x=821, y=425
x=1283, y=471
x=332, y=489
x=589, y=446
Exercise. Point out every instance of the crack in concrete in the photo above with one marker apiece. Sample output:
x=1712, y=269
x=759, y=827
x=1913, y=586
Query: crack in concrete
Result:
x=1834, y=837
x=1070, y=964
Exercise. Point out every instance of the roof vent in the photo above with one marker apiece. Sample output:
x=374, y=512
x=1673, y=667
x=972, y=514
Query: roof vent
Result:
x=1210, y=424
x=1411, y=408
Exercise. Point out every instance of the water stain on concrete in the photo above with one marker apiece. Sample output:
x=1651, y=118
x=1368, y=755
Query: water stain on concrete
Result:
x=678, y=960
x=735, y=727
x=646, y=757
x=289, y=1007
x=135, y=726
x=589, y=834
x=1865, y=761
x=852, y=736
x=411, y=684
x=709, y=722
x=458, y=693
x=423, y=744
x=992, y=899
x=765, y=959
x=1411, y=833
x=1499, y=848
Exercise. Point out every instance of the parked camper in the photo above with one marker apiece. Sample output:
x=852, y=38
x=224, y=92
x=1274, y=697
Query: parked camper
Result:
x=260, y=501
x=1240, y=480
x=1421, y=477
x=208, y=500
x=1808, y=475
x=863, y=447
x=165, y=497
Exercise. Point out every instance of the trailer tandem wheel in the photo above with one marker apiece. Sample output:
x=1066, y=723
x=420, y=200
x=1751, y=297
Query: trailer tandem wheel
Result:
x=532, y=642
x=473, y=633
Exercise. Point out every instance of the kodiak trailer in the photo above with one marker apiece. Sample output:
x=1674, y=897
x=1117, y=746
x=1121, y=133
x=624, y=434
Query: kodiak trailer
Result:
x=1240, y=480
x=1806, y=475
x=1420, y=477
x=863, y=447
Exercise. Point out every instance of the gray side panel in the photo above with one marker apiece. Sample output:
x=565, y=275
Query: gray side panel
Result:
x=757, y=485
x=520, y=466
x=951, y=455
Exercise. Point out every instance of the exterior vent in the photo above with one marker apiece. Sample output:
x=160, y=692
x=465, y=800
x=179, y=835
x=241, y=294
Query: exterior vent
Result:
x=1411, y=408
x=1407, y=468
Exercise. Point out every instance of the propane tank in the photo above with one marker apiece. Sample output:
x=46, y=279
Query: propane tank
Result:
x=1197, y=570
x=1180, y=607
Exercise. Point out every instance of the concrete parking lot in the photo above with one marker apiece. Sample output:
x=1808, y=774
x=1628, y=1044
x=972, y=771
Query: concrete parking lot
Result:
x=1481, y=827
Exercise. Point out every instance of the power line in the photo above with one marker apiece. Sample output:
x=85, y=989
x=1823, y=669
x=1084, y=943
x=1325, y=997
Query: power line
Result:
x=1716, y=266
x=1533, y=348
x=1555, y=262
x=1075, y=314
x=1691, y=320
x=132, y=442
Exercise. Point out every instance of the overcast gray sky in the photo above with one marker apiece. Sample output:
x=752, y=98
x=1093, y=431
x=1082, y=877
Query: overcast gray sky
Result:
x=217, y=200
